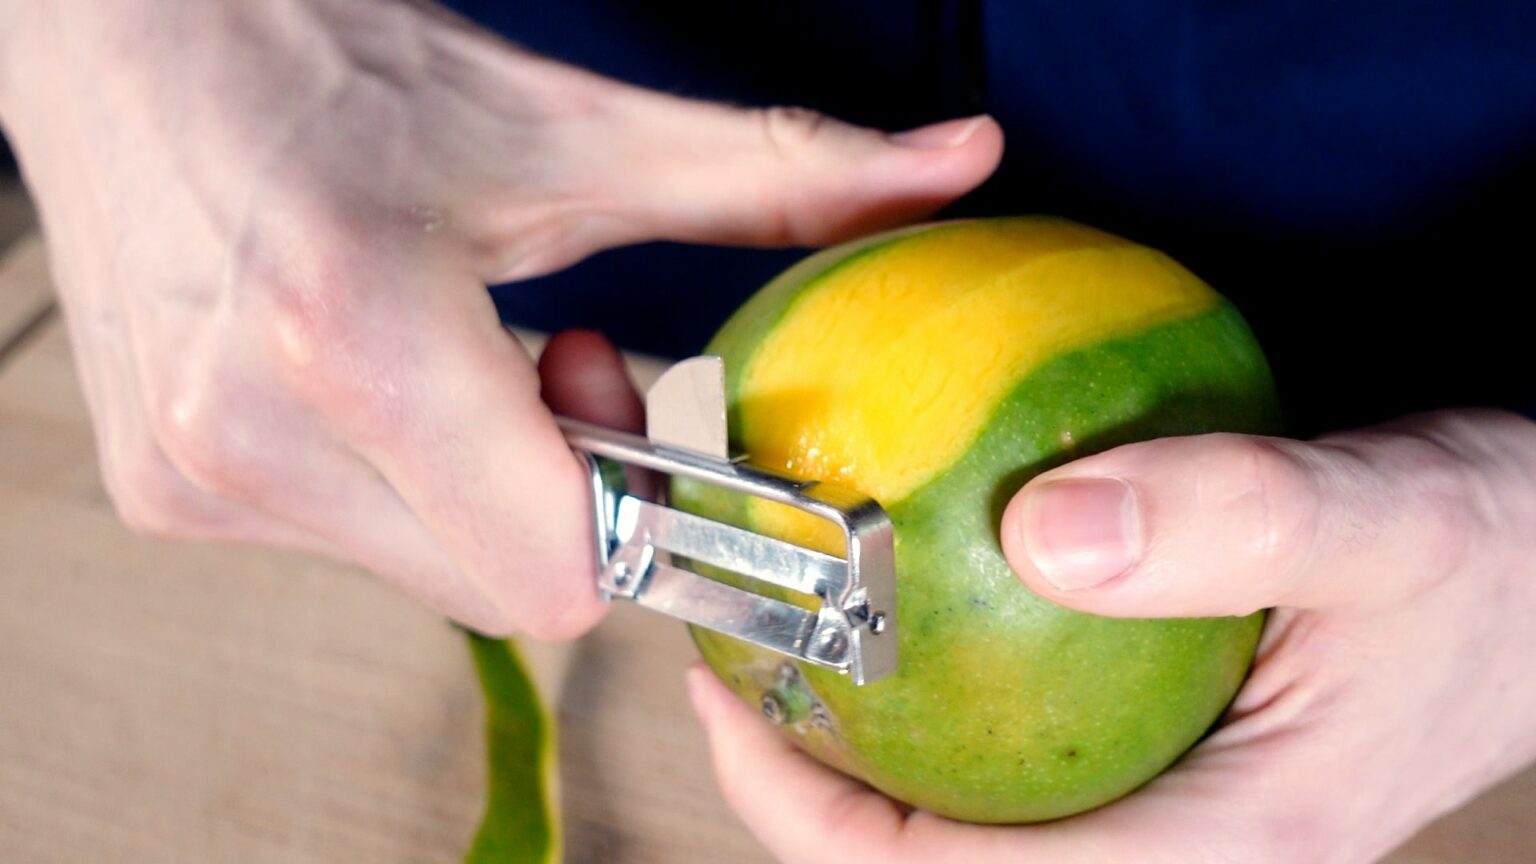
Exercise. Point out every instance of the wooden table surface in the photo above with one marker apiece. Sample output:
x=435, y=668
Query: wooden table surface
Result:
x=171, y=702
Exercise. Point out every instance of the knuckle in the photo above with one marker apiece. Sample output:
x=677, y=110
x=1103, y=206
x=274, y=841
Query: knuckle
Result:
x=315, y=290
x=1268, y=491
x=334, y=349
x=792, y=137
x=1450, y=505
x=212, y=436
x=313, y=321
x=791, y=132
x=807, y=161
x=148, y=497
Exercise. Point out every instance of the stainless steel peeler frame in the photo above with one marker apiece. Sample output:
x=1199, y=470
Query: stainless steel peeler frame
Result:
x=853, y=631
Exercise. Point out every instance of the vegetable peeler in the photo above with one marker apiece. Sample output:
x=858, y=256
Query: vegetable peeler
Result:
x=646, y=550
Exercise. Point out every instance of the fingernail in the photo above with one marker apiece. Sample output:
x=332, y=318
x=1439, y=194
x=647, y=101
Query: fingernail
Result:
x=939, y=136
x=1083, y=532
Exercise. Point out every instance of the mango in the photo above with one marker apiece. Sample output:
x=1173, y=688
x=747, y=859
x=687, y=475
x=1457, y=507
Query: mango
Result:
x=937, y=369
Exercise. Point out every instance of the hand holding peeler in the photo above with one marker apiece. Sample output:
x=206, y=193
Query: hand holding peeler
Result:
x=646, y=550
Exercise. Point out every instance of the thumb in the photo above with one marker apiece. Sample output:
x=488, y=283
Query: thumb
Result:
x=1229, y=524
x=621, y=164
x=790, y=176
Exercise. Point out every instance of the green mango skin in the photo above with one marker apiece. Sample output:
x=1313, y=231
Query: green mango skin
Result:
x=1006, y=707
x=522, y=820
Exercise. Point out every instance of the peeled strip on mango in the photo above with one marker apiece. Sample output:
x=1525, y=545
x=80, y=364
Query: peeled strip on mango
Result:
x=522, y=813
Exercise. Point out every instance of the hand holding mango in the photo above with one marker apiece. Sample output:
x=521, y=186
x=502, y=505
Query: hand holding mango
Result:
x=1391, y=683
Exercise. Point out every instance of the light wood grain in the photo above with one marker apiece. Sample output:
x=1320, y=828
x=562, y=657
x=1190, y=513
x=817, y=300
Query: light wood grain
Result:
x=24, y=293
x=16, y=215
x=163, y=702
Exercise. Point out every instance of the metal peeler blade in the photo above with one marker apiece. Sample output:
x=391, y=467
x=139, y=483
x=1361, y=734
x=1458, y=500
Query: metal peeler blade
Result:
x=646, y=549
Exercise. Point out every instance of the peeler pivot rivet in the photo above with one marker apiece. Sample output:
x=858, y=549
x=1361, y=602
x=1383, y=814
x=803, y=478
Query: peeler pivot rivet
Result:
x=620, y=573
x=773, y=709
x=877, y=622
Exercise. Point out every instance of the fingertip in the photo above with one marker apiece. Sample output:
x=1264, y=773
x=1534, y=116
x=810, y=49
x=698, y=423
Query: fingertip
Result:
x=979, y=137
x=576, y=351
x=725, y=716
x=1011, y=535
x=920, y=172
x=1080, y=533
x=576, y=619
x=540, y=606
x=985, y=146
x=583, y=375
x=963, y=151
x=576, y=340
x=946, y=135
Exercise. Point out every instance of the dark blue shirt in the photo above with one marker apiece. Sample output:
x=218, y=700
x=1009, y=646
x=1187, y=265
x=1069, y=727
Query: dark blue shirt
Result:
x=1357, y=177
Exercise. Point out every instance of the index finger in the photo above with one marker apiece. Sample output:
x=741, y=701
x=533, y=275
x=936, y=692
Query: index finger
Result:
x=430, y=390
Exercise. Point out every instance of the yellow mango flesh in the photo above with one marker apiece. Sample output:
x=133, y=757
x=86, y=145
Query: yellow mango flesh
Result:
x=845, y=388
